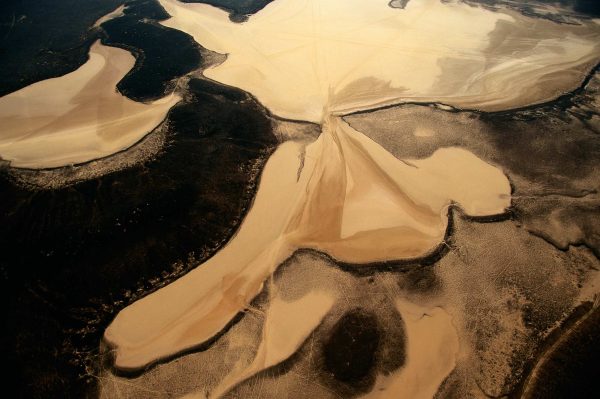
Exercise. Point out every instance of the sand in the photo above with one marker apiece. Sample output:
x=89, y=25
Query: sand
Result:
x=288, y=324
x=343, y=194
x=493, y=274
x=116, y=13
x=77, y=117
x=304, y=59
x=432, y=349
x=344, y=177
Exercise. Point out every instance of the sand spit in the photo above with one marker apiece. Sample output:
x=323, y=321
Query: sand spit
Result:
x=55, y=178
x=339, y=55
x=116, y=13
x=77, y=117
x=344, y=177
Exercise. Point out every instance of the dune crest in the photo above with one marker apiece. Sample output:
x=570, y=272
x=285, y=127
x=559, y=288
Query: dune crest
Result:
x=77, y=117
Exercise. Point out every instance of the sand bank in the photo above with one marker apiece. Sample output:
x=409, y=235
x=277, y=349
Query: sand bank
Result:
x=342, y=194
x=77, y=117
x=304, y=59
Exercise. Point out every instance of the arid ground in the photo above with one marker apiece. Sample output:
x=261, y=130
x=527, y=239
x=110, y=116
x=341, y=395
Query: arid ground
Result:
x=301, y=198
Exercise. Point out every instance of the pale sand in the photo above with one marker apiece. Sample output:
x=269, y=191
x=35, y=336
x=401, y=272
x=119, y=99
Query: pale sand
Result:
x=344, y=194
x=352, y=200
x=432, y=348
x=288, y=324
x=77, y=117
x=116, y=13
x=306, y=58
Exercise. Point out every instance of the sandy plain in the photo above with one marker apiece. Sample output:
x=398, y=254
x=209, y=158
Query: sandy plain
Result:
x=337, y=56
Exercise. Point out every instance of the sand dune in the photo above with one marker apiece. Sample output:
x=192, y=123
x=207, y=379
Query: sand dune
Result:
x=352, y=200
x=76, y=117
x=304, y=59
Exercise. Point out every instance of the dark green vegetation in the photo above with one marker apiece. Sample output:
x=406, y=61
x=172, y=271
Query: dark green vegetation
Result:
x=162, y=54
x=40, y=39
x=568, y=368
x=73, y=257
x=350, y=350
x=535, y=8
x=45, y=39
x=239, y=10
